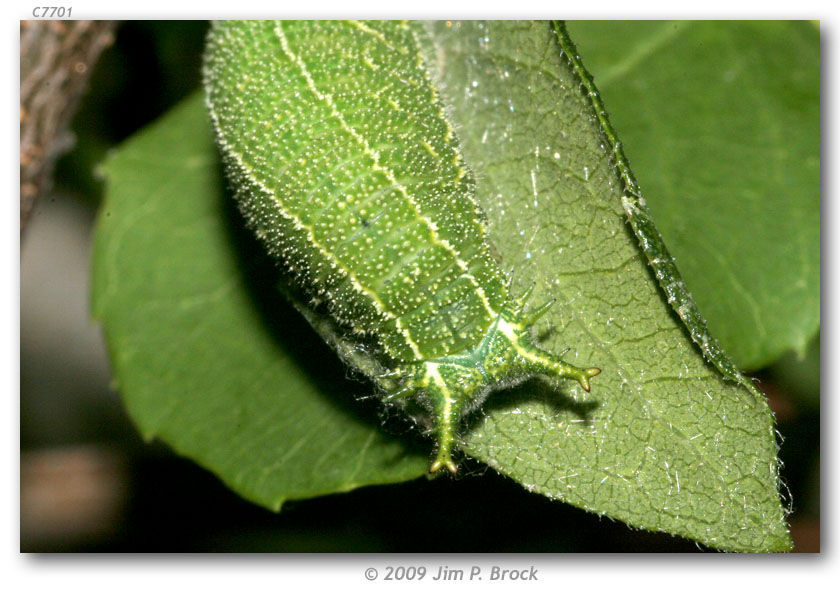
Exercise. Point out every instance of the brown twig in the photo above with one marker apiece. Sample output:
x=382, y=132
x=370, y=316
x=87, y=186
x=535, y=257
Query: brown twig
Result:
x=56, y=59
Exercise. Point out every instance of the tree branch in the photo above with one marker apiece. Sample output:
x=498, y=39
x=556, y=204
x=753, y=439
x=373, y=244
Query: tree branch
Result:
x=56, y=60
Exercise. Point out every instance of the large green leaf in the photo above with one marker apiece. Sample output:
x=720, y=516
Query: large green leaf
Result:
x=663, y=441
x=722, y=123
x=210, y=359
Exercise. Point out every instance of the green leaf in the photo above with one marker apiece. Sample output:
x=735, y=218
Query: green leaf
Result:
x=210, y=359
x=663, y=442
x=722, y=123
x=207, y=354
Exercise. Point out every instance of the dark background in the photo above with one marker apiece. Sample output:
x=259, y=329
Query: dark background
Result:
x=90, y=483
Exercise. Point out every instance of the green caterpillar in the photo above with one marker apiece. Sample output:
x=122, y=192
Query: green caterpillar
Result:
x=345, y=165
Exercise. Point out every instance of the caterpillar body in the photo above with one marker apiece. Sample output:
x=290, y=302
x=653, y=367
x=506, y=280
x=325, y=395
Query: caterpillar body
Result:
x=345, y=165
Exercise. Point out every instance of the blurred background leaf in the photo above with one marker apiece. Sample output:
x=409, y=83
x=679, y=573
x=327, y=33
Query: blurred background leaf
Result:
x=721, y=123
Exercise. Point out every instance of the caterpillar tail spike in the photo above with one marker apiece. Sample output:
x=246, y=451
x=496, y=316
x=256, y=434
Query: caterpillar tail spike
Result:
x=525, y=295
x=532, y=317
x=587, y=375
